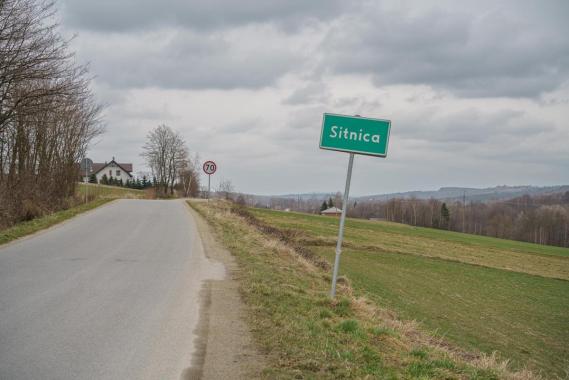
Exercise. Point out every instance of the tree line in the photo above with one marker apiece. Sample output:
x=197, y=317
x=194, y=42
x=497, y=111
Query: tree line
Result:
x=48, y=114
x=329, y=204
x=539, y=219
x=135, y=183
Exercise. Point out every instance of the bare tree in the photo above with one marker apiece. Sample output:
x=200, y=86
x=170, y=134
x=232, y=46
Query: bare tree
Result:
x=241, y=200
x=166, y=154
x=48, y=114
x=226, y=188
x=189, y=176
x=338, y=200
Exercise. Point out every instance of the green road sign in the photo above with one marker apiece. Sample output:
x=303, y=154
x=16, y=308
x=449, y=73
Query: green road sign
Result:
x=355, y=134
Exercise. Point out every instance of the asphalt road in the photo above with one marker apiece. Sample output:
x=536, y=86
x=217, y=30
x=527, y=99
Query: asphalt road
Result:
x=112, y=294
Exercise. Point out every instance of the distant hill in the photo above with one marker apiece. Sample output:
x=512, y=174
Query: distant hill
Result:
x=444, y=193
x=306, y=196
x=269, y=199
x=472, y=194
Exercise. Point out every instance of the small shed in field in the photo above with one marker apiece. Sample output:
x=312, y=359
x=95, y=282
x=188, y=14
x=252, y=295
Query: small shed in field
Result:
x=332, y=211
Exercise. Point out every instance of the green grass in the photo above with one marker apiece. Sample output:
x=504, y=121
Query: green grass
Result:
x=325, y=226
x=478, y=292
x=305, y=335
x=114, y=192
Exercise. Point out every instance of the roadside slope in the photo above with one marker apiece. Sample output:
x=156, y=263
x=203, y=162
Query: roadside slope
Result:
x=98, y=195
x=41, y=223
x=305, y=335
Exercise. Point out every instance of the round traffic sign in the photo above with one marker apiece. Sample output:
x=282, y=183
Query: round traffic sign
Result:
x=209, y=167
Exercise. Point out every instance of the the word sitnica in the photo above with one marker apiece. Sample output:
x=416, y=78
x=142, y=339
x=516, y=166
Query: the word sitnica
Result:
x=343, y=133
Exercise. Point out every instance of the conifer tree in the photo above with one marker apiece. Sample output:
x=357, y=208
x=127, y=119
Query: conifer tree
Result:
x=445, y=216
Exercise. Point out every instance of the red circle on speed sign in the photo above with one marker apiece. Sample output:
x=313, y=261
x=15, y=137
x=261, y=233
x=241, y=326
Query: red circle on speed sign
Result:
x=209, y=167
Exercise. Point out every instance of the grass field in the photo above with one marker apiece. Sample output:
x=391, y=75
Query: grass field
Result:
x=480, y=293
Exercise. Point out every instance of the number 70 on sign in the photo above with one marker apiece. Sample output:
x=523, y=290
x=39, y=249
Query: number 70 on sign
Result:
x=209, y=167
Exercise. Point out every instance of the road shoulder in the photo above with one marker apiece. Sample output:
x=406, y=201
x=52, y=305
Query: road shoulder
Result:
x=224, y=344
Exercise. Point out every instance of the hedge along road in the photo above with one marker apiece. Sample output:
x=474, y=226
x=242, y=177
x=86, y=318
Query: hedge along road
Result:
x=112, y=294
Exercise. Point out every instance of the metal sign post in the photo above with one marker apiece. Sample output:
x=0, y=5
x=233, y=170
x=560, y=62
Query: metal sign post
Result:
x=86, y=163
x=209, y=167
x=355, y=135
x=341, y=230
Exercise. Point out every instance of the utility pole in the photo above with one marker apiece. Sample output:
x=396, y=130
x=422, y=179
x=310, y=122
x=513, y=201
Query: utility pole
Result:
x=86, y=180
x=463, y=209
x=85, y=162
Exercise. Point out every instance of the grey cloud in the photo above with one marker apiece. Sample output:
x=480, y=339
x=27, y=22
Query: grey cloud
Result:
x=471, y=126
x=315, y=92
x=304, y=118
x=242, y=127
x=183, y=60
x=112, y=15
x=503, y=52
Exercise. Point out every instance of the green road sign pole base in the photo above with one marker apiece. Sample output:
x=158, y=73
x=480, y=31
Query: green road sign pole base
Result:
x=341, y=230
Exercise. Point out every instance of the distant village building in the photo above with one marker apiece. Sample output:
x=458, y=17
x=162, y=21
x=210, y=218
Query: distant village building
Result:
x=111, y=169
x=332, y=211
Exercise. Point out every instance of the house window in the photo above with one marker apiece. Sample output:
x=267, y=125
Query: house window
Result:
x=118, y=173
x=110, y=173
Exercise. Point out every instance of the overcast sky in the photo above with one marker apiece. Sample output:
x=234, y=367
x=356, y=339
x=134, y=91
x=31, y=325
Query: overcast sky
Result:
x=477, y=92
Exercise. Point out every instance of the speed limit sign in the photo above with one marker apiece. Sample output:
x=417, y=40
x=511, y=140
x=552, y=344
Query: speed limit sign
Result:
x=209, y=167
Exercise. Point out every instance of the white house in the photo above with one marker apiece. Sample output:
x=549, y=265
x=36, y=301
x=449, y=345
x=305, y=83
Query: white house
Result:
x=111, y=169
